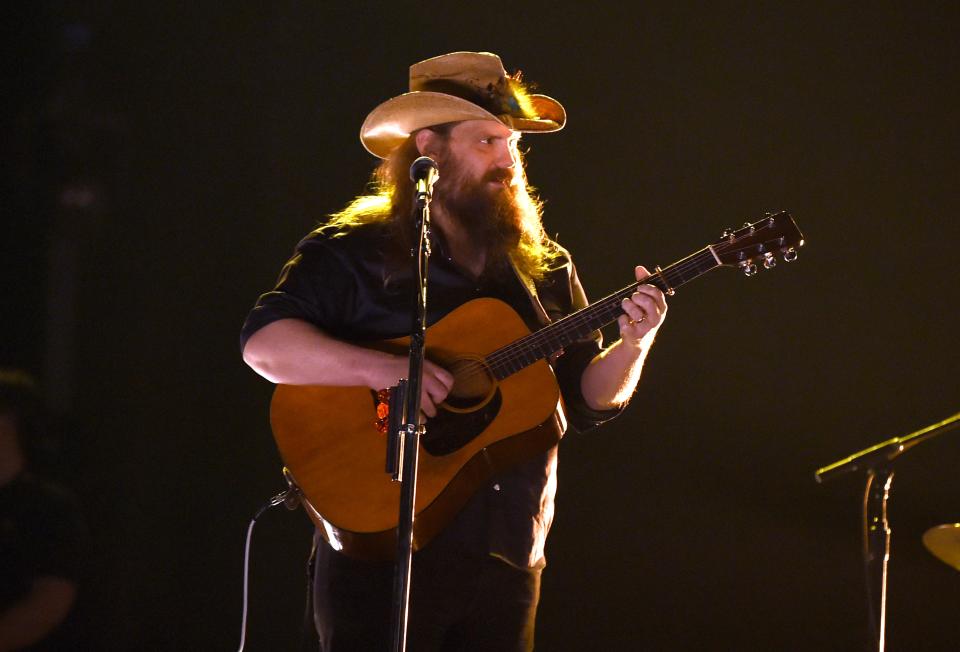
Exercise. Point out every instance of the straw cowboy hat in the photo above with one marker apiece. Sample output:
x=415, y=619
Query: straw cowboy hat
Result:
x=453, y=87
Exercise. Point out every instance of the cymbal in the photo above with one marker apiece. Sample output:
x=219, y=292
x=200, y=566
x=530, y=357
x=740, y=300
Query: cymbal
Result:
x=944, y=542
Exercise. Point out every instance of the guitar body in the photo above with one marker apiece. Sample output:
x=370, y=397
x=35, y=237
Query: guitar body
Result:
x=328, y=439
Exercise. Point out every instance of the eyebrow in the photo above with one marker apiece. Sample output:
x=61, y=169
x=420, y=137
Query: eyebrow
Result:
x=512, y=138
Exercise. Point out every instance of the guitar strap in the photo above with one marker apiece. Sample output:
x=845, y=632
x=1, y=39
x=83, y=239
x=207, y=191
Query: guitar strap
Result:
x=530, y=287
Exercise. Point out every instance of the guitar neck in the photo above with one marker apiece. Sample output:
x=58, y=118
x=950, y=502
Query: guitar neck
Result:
x=553, y=338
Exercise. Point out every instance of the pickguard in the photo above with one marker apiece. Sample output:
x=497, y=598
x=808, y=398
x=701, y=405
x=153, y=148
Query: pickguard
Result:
x=448, y=432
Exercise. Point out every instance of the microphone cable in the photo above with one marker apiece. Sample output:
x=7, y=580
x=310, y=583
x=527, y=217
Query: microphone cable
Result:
x=288, y=498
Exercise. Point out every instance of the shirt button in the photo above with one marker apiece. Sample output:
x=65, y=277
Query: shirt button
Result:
x=496, y=487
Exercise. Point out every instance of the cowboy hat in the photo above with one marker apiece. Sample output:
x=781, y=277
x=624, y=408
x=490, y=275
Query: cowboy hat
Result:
x=453, y=87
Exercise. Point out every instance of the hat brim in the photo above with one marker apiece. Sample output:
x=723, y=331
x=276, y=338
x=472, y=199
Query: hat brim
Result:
x=392, y=122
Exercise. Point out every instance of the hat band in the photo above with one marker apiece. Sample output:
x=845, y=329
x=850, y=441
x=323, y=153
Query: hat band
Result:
x=492, y=98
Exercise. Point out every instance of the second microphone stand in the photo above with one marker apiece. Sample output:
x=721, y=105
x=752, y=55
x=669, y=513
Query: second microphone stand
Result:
x=877, y=461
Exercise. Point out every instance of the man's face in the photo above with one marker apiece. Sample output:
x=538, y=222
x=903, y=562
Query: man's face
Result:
x=481, y=184
x=480, y=157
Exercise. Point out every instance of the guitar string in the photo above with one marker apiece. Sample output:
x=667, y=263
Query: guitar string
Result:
x=505, y=358
x=582, y=322
x=508, y=355
x=580, y=319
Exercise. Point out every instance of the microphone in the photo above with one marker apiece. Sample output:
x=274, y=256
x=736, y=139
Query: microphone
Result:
x=424, y=173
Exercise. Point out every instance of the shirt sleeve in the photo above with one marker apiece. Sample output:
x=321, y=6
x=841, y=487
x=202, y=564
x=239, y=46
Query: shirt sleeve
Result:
x=316, y=285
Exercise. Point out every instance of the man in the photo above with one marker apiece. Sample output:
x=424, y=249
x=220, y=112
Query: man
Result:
x=41, y=533
x=476, y=585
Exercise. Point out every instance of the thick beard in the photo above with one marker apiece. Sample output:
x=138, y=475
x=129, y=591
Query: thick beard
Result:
x=491, y=217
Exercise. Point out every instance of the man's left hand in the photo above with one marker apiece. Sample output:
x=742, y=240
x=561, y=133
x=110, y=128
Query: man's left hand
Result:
x=644, y=312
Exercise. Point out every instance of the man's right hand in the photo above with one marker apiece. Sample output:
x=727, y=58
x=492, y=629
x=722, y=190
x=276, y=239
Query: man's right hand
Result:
x=437, y=382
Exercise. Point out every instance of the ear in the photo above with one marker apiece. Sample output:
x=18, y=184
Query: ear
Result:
x=426, y=142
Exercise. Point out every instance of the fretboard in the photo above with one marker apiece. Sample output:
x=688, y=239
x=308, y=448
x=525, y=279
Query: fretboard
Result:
x=552, y=339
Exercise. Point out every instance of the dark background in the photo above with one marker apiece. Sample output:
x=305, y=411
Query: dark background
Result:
x=162, y=159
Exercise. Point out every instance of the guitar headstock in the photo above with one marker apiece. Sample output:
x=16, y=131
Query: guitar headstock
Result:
x=760, y=242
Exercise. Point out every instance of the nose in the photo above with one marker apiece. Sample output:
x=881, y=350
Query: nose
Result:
x=507, y=156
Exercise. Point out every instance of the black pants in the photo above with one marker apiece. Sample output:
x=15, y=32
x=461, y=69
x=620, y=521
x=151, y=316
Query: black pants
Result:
x=459, y=602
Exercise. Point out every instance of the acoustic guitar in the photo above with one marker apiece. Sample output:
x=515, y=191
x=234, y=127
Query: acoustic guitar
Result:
x=502, y=409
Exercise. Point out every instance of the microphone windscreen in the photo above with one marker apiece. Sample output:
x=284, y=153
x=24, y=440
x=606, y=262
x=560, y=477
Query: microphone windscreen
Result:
x=421, y=168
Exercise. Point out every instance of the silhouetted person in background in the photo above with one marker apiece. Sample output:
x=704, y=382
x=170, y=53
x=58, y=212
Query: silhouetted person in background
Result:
x=41, y=533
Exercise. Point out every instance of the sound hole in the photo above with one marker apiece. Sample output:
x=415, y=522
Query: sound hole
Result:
x=473, y=385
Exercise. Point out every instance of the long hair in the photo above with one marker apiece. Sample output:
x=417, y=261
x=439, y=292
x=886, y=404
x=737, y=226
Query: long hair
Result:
x=390, y=201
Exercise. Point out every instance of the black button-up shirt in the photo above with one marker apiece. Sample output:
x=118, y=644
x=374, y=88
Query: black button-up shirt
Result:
x=351, y=286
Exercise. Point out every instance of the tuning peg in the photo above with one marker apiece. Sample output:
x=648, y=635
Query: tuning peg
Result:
x=769, y=261
x=790, y=255
x=727, y=233
x=748, y=268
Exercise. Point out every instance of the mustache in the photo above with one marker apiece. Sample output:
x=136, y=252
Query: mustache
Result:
x=504, y=176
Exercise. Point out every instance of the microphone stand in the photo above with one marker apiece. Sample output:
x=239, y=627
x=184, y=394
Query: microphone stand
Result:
x=878, y=463
x=403, y=445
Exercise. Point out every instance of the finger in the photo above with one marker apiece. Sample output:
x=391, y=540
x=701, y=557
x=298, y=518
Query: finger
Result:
x=426, y=404
x=635, y=312
x=438, y=372
x=641, y=272
x=627, y=325
x=650, y=298
x=445, y=378
x=652, y=291
x=650, y=302
x=435, y=388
